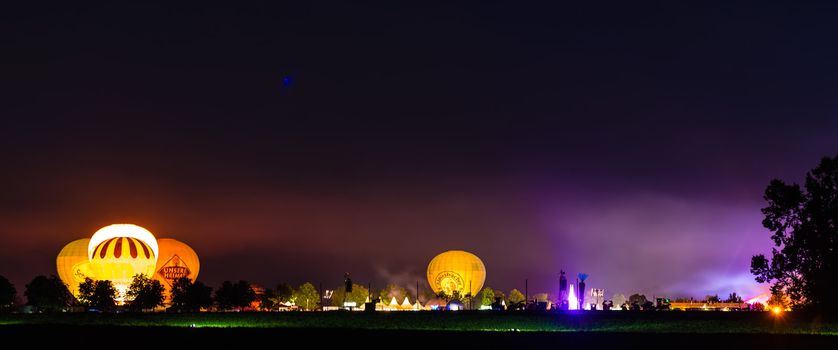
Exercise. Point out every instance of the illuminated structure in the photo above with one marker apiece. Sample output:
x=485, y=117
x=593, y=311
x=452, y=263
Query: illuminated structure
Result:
x=395, y=306
x=562, y=291
x=118, y=252
x=706, y=306
x=456, y=270
x=762, y=299
x=581, y=290
x=572, y=302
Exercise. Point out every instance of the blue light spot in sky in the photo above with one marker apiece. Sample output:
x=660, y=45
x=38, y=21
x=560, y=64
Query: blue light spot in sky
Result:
x=287, y=81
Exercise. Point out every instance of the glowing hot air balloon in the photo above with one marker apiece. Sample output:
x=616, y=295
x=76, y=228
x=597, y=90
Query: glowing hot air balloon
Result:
x=456, y=270
x=119, y=252
x=120, y=258
x=176, y=260
x=73, y=265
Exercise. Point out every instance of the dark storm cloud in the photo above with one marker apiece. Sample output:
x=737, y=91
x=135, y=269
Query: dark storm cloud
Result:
x=629, y=141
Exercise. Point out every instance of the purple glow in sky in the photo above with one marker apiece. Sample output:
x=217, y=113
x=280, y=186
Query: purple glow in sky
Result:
x=691, y=247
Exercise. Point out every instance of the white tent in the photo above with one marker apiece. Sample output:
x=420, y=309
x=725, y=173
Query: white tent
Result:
x=406, y=304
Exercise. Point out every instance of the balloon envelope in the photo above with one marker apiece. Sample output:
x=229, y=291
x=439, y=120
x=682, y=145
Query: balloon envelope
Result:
x=73, y=265
x=120, y=258
x=456, y=270
x=176, y=260
x=121, y=230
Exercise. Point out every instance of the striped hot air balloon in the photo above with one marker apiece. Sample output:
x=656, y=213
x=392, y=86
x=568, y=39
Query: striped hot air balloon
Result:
x=118, y=259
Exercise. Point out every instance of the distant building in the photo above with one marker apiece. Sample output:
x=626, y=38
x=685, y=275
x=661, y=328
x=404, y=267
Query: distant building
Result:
x=707, y=306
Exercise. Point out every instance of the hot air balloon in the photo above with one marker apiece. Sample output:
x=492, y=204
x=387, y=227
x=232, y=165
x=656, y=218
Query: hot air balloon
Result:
x=456, y=270
x=122, y=230
x=120, y=258
x=73, y=265
x=176, y=260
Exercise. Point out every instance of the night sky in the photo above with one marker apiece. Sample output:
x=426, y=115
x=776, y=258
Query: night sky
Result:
x=294, y=142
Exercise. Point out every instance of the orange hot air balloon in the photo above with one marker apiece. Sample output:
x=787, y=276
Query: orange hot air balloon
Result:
x=176, y=260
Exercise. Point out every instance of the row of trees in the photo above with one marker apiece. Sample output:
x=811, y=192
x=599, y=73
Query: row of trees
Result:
x=307, y=297
x=731, y=298
x=489, y=297
x=50, y=294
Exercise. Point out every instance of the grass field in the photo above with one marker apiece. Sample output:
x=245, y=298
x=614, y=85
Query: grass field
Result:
x=615, y=322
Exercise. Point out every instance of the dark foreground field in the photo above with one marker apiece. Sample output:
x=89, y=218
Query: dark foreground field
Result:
x=467, y=329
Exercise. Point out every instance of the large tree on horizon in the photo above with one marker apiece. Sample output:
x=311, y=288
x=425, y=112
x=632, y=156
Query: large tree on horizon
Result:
x=231, y=295
x=804, y=226
x=307, y=297
x=98, y=294
x=145, y=293
x=516, y=297
x=284, y=292
x=7, y=294
x=487, y=296
x=48, y=294
x=190, y=297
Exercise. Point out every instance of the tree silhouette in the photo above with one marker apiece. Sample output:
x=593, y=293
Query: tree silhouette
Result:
x=144, y=293
x=456, y=296
x=48, y=294
x=733, y=298
x=803, y=225
x=230, y=296
x=284, y=292
x=100, y=295
x=225, y=296
x=637, y=301
x=104, y=295
x=7, y=295
x=190, y=297
x=268, y=300
x=86, y=290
